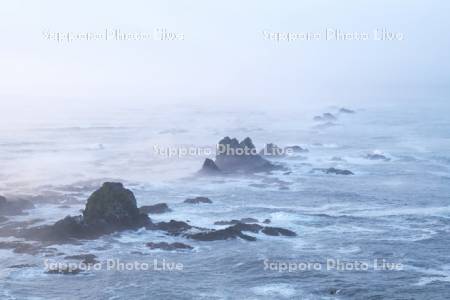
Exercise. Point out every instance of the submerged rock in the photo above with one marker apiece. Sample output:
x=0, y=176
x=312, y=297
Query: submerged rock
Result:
x=173, y=227
x=233, y=222
x=237, y=157
x=13, y=207
x=276, y=231
x=334, y=171
x=159, y=208
x=295, y=149
x=198, y=200
x=326, y=117
x=377, y=156
x=169, y=247
x=346, y=111
x=88, y=259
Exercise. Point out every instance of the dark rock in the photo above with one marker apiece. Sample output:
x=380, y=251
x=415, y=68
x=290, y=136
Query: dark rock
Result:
x=276, y=231
x=169, y=247
x=113, y=204
x=14, y=207
x=266, y=221
x=88, y=259
x=159, y=208
x=173, y=227
x=198, y=200
x=376, y=156
x=346, y=111
x=223, y=234
x=238, y=157
x=233, y=222
x=64, y=270
x=109, y=209
x=295, y=149
x=272, y=150
x=210, y=168
x=326, y=117
x=22, y=266
x=334, y=171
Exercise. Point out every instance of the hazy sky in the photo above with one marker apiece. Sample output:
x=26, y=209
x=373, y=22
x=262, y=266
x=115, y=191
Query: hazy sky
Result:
x=223, y=55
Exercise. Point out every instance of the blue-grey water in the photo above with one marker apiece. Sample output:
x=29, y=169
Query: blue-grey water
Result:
x=397, y=211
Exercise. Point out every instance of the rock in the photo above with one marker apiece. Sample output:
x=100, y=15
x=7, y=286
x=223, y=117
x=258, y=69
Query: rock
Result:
x=16, y=207
x=210, y=168
x=169, y=247
x=344, y=110
x=276, y=231
x=333, y=171
x=272, y=150
x=233, y=222
x=377, y=156
x=222, y=234
x=237, y=230
x=266, y=221
x=173, y=227
x=109, y=209
x=22, y=266
x=20, y=247
x=64, y=270
x=237, y=157
x=198, y=200
x=113, y=204
x=88, y=259
x=159, y=208
x=326, y=117
x=295, y=149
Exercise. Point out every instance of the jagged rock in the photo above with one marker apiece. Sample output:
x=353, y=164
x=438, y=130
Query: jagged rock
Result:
x=169, y=247
x=295, y=149
x=233, y=222
x=276, y=231
x=377, y=156
x=326, y=117
x=210, y=168
x=198, y=200
x=272, y=150
x=88, y=259
x=16, y=207
x=346, y=111
x=159, y=208
x=237, y=157
x=334, y=171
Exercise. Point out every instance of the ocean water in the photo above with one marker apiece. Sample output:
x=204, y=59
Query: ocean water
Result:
x=395, y=211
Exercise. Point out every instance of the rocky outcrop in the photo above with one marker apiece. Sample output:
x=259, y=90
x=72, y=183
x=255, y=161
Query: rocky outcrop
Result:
x=173, y=227
x=168, y=247
x=233, y=222
x=237, y=157
x=197, y=200
x=159, y=208
x=333, y=171
x=237, y=231
x=109, y=209
x=16, y=207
